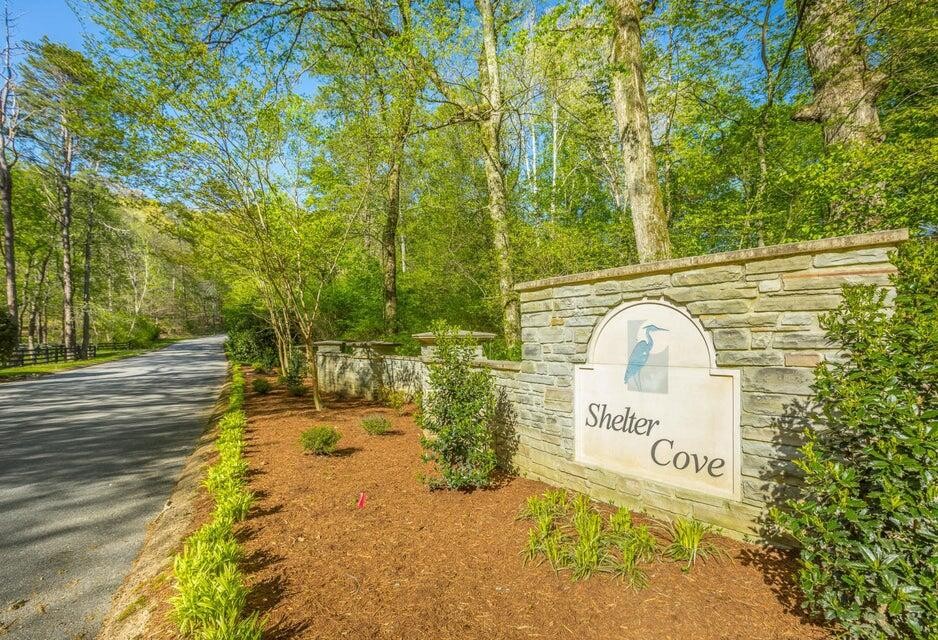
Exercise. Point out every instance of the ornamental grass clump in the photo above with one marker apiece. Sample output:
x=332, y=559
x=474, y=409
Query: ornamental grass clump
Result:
x=867, y=517
x=571, y=534
x=458, y=412
x=210, y=588
x=690, y=541
x=260, y=385
x=320, y=440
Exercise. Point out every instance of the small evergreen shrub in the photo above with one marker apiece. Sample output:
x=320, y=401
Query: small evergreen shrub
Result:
x=459, y=413
x=260, y=385
x=320, y=440
x=867, y=517
x=297, y=390
x=376, y=425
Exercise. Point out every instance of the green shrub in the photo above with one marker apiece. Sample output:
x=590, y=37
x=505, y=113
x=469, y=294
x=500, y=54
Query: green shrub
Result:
x=260, y=385
x=867, y=517
x=690, y=541
x=459, y=412
x=9, y=333
x=297, y=390
x=376, y=425
x=320, y=440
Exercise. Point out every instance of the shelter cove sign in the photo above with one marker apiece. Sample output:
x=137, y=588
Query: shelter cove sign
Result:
x=651, y=403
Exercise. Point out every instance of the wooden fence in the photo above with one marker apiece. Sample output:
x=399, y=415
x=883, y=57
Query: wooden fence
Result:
x=47, y=354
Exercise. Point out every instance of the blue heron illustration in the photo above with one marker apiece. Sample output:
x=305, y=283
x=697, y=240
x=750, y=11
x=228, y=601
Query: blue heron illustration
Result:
x=639, y=356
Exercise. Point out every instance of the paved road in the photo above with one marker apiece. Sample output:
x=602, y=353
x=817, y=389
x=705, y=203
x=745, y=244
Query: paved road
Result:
x=87, y=458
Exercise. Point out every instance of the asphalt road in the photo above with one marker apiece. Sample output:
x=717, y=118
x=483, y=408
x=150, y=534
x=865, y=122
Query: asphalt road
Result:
x=87, y=459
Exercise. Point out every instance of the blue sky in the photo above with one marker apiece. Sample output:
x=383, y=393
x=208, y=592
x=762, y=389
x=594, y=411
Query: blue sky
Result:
x=53, y=18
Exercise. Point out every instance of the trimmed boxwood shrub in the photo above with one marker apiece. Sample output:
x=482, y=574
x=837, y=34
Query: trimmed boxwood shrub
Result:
x=867, y=517
x=376, y=425
x=260, y=385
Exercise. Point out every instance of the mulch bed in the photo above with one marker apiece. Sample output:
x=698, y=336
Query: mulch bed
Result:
x=446, y=565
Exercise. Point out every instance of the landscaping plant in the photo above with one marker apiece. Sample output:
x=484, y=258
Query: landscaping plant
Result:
x=210, y=591
x=260, y=385
x=320, y=440
x=573, y=535
x=376, y=425
x=9, y=333
x=867, y=516
x=689, y=541
x=459, y=413
x=297, y=390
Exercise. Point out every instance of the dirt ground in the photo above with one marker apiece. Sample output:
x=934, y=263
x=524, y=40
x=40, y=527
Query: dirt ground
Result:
x=417, y=564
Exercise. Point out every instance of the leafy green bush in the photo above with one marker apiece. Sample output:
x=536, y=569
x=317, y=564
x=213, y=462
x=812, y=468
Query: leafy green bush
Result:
x=250, y=338
x=867, y=517
x=376, y=425
x=320, y=440
x=260, y=385
x=297, y=390
x=9, y=333
x=459, y=413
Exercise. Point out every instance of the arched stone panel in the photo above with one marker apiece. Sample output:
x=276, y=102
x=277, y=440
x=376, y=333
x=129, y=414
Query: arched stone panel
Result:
x=651, y=403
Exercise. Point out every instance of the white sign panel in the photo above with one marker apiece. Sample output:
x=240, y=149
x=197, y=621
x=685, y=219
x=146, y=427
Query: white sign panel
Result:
x=651, y=403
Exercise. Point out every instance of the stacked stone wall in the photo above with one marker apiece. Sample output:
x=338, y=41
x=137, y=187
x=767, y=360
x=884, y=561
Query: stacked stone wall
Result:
x=761, y=308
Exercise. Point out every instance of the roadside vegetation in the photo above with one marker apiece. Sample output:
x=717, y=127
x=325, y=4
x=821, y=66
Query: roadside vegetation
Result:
x=210, y=591
x=34, y=370
x=867, y=518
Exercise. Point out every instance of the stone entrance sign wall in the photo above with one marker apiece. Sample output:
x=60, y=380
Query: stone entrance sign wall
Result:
x=739, y=393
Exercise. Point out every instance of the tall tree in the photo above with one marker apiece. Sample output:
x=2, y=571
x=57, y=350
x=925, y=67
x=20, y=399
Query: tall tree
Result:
x=630, y=103
x=490, y=127
x=9, y=120
x=845, y=87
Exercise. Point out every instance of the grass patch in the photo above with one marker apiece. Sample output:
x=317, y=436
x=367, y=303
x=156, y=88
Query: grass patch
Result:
x=320, y=440
x=210, y=588
x=132, y=608
x=376, y=425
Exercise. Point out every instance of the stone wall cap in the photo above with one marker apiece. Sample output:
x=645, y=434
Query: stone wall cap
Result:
x=330, y=342
x=429, y=338
x=840, y=243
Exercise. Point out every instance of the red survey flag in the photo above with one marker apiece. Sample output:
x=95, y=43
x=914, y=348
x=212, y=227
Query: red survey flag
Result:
x=361, y=500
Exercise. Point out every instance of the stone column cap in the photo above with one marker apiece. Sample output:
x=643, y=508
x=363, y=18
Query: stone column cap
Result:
x=429, y=338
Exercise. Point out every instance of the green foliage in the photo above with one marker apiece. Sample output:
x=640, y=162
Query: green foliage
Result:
x=250, y=338
x=260, y=385
x=376, y=425
x=689, y=542
x=867, y=517
x=571, y=534
x=210, y=592
x=459, y=412
x=320, y=440
x=9, y=333
x=296, y=389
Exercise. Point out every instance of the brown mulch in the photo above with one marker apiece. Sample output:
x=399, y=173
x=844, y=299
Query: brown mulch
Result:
x=417, y=564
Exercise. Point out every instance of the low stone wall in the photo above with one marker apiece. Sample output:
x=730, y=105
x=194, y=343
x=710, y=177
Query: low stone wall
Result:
x=760, y=309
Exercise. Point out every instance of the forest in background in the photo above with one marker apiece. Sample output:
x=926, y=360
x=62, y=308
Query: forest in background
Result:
x=359, y=169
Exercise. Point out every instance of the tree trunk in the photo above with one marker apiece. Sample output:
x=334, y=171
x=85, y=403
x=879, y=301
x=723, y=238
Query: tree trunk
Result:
x=312, y=369
x=845, y=88
x=9, y=255
x=634, y=127
x=490, y=128
x=86, y=287
x=68, y=310
x=393, y=214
